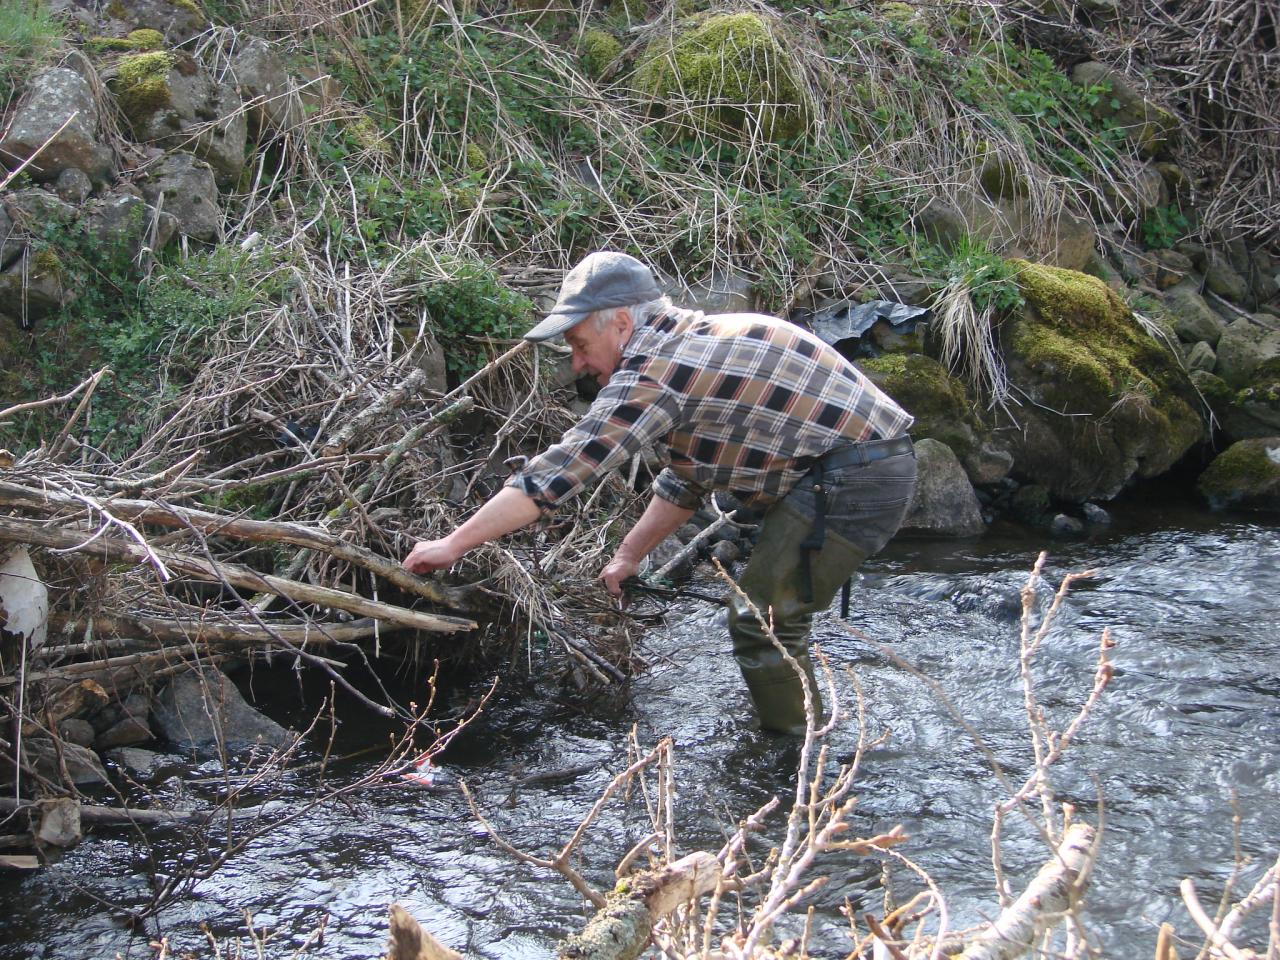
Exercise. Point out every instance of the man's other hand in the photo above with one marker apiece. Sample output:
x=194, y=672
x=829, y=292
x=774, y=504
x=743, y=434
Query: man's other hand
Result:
x=618, y=569
x=428, y=555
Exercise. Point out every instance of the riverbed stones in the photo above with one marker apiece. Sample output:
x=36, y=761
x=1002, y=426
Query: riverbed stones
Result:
x=33, y=287
x=1221, y=277
x=1201, y=357
x=59, y=110
x=128, y=732
x=1246, y=476
x=201, y=709
x=77, y=731
x=137, y=761
x=944, y=503
x=123, y=225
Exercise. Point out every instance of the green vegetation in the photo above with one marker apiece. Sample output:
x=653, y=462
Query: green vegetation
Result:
x=1244, y=472
x=1163, y=227
x=942, y=407
x=599, y=51
x=29, y=36
x=137, y=41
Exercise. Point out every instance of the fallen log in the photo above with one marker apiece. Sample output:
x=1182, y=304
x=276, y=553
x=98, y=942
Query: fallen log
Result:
x=1047, y=899
x=623, y=928
x=121, y=627
x=132, y=816
x=26, y=531
x=239, y=528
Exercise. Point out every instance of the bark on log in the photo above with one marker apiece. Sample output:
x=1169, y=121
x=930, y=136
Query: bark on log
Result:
x=623, y=928
x=26, y=531
x=204, y=631
x=239, y=528
x=130, y=816
x=410, y=942
x=1046, y=901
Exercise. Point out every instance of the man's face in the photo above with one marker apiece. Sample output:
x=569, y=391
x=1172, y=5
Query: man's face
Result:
x=599, y=351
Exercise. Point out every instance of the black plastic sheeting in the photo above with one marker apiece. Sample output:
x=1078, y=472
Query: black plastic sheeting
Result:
x=847, y=320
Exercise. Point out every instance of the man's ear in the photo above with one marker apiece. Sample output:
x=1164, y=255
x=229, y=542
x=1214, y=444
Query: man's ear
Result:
x=627, y=323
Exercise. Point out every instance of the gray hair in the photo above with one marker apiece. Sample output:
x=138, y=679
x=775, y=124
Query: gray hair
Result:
x=641, y=313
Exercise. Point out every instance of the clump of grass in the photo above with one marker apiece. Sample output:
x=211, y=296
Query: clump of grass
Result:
x=29, y=35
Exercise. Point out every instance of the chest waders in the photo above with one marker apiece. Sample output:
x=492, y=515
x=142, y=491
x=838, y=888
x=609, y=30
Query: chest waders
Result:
x=810, y=544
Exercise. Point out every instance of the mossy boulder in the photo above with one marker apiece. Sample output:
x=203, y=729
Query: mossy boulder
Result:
x=729, y=74
x=141, y=84
x=178, y=20
x=137, y=41
x=1248, y=412
x=1245, y=476
x=1105, y=401
x=1145, y=124
x=598, y=52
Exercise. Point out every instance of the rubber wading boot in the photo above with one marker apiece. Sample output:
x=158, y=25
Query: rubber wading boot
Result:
x=774, y=581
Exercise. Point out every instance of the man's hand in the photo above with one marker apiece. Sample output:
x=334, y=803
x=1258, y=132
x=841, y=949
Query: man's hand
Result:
x=428, y=555
x=618, y=569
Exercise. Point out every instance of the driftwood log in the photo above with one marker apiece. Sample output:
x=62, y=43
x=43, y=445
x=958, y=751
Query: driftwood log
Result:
x=1048, y=898
x=619, y=931
x=86, y=541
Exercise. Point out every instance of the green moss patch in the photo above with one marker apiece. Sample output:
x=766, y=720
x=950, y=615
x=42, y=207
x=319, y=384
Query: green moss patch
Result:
x=1247, y=474
x=732, y=70
x=598, y=52
x=939, y=402
x=141, y=84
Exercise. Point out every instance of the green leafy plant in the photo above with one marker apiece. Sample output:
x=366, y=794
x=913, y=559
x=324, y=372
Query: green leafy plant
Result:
x=1162, y=227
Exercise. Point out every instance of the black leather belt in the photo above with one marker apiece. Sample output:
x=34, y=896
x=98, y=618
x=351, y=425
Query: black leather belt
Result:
x=860, y=454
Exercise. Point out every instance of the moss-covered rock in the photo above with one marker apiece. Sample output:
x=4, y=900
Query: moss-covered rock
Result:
x=138, y=41
x=727, y=73
x=1109, y=402
x=939, y=402
x=598, y=52
x=1245, y=476
x=141, y=84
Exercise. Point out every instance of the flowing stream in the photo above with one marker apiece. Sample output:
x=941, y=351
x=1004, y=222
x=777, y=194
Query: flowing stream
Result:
x=1191, y=720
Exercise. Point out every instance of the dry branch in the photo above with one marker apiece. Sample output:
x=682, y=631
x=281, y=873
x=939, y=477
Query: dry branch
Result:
x=235, y=575
x=1048, y=898
x=623, y=928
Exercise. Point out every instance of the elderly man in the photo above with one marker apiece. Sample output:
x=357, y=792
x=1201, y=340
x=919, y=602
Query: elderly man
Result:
x=745, y=403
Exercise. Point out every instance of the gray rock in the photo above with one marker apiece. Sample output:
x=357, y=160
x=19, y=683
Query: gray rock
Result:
x=1065, y=526
x=942, y=223
x=129, y=732
x=34, y=209
x=273, y=103
x=727, y=552
x=73, y=185
x=125, y=225
x=11, y=239
x=987, y=464
x=1193, y=319
x=178, y=21
x=1201, y=357
x=202, y=708
x=1222, y=278
x=77, y=731
x=1171, y=268
x=83, y=766
x=59, y=823
x=200, y=115
x=944, y=503
x=141, y=762
x=32, y=288
x=1263, y=281
x=722, y=292
x=664, y=553
x=687, y=532
x=1244, y=345
x=1245, y=476
x=186, y=188
x=1030, y=503
x=1096, y=515
x=53, y=98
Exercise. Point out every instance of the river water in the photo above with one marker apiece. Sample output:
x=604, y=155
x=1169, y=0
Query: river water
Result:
x=1191, y=720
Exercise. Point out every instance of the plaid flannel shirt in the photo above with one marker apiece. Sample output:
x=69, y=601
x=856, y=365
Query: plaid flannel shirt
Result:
x=741, y=400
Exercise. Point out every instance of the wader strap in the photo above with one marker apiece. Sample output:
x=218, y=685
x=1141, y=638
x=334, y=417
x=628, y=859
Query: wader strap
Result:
x=844, y=598
x=817, y=535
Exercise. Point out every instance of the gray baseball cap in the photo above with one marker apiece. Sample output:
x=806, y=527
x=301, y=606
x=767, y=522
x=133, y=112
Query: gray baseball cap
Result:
x=603, y=279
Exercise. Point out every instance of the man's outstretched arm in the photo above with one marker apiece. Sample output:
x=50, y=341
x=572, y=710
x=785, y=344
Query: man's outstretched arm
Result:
x=659, y=520
x=509, y=509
